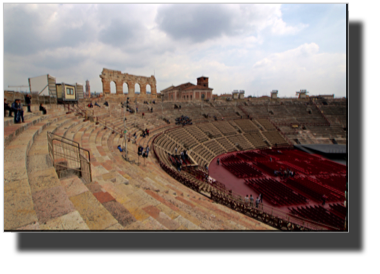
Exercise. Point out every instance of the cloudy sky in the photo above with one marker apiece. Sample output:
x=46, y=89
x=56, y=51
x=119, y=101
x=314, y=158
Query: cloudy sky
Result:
x=256, y=48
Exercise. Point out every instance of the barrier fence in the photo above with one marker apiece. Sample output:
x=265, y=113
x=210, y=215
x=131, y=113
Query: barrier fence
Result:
x=68, y=157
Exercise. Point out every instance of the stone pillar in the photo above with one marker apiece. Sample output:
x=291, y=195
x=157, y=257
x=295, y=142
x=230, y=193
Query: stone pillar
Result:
x=142, y=89
x=131, y=88
x=153, y=89
x=106, y=86
x=119, y=87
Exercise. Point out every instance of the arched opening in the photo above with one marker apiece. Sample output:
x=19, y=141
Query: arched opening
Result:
x=137, y=88
x=125, y=88
x=148, y=89
x=191, y=97
x=113, y=87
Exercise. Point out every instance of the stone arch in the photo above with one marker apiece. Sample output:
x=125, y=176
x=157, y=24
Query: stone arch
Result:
x=113, y=87
x=125, y=88
x=119, y=78
x=148, y=88
x=137, y=88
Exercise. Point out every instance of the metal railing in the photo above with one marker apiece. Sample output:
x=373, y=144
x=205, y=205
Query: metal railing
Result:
x=68, y=157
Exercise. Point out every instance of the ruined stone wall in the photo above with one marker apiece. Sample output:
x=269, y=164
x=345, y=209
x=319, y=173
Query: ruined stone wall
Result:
x=119, y=78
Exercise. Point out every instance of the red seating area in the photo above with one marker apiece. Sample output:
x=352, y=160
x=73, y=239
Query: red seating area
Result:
x=337, y=182
x=318, y=214
x=250, y=156
x=275, y=192
x=332, y=167
x=338, y=210
x=313, y=190
x=242, y=170
x=270, y=167
x=314, y=177
x=230, y=158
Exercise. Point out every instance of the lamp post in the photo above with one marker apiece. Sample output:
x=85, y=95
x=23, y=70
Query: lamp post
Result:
x=125, y=138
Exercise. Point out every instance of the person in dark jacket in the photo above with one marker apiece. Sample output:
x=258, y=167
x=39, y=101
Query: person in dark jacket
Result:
x=19, y=112
x=106, y=103
x=7, y=107
x=96, y=104
x=43, y=109
x=28, y=101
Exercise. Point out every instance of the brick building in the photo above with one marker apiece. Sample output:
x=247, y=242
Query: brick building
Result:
x=188, y=91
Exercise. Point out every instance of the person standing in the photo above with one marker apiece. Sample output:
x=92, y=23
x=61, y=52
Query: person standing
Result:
x=257, y=202
x=175, y=150
x=247, y=200
x=261, y=198
x=28, y=101
x=7, y=107
x=19, y=112
x=251, y=200
x=147, y=151
x=217, y=161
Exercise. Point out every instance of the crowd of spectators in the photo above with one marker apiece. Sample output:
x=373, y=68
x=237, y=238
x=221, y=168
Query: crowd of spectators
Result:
x=179, y=160
x=183, y=120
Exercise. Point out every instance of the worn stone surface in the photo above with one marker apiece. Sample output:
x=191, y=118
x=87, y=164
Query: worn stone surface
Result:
x=73, y=186
x=70, y=221
x=18, y=205
x=120, y=213
x=186, y=223
x=43, y=179
x=51, y=203
x=92, y=212
x=94, y=187
x=103, y=197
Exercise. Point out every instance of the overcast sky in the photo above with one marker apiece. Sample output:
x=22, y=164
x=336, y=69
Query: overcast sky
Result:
x=256, y=48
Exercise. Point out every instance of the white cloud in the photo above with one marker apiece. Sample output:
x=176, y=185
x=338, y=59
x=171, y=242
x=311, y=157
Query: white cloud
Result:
x=75, y=42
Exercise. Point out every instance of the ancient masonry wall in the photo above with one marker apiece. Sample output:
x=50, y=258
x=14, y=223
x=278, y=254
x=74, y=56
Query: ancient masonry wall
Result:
x=119, y=78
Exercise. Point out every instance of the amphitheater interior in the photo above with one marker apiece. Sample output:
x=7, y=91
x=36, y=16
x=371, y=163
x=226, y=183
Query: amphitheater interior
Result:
x=64, y=171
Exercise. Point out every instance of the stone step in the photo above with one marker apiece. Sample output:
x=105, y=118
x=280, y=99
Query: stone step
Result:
x=12, y=131
x=19, y=210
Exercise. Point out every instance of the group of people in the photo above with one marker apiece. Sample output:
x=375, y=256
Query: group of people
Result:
x=17, y=109
x=150, y=102
x=141, y=152
x=144, y=133
x=284, y=173
x=250, y=200
x=183, y=120
x=90, y=105
x=178, y=161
